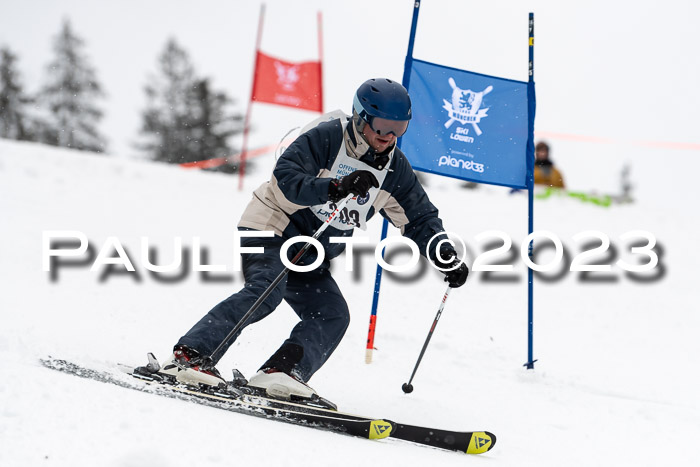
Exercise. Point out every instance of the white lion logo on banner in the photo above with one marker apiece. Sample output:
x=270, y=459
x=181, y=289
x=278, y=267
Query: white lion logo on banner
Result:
x=287, y=76
x=465, y=106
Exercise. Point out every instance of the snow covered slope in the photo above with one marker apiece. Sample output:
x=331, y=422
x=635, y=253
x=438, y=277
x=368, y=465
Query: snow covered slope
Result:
x=616, y=382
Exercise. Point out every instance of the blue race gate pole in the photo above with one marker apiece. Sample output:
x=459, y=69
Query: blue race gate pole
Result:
x=375, y=303
x=385, y=224
x=411, y=39
x=530, y=154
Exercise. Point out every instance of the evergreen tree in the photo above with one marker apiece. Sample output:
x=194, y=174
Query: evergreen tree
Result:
x=184, y=120
x=212, y=126
x=69, y=95
x=167, y=116
x=15, y=123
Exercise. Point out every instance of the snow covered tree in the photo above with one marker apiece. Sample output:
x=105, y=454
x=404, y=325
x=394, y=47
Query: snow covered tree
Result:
x=185, y=120
x=69, y=95
x=15, y=122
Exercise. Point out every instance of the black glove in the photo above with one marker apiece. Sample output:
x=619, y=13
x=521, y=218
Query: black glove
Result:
x=358, y=183
x=456, y=276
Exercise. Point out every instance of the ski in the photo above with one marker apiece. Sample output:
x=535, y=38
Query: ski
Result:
x=366, y=428
x=239, y=399
x=469, y=442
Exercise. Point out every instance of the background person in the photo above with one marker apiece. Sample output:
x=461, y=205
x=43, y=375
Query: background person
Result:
x=545, y=171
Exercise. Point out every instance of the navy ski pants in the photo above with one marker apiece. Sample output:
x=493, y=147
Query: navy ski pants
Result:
x=314, y=296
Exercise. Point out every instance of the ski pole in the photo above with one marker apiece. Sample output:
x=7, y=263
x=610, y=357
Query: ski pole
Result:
x=210, y=361
x=408, y=387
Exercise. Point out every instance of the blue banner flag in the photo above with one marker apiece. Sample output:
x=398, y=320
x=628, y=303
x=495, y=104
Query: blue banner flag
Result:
x=468, y=125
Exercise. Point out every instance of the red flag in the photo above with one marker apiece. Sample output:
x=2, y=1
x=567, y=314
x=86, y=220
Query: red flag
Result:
x=295, y=85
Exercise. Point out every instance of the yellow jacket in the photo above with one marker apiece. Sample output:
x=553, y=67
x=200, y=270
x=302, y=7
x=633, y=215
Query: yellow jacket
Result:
x=548, y=175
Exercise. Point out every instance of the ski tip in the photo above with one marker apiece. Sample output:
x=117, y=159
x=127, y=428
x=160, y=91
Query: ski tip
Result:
x=481, y=442
x=380, y=429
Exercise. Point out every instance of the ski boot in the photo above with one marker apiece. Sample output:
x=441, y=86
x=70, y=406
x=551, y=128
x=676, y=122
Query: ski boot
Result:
x=279, y=384
x=185, y=366
x=278, y=378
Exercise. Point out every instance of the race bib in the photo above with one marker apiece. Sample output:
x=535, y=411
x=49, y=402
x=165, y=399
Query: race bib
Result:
x=355, y=212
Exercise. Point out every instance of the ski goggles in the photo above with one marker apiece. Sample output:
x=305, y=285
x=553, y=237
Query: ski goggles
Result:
x=383, y=126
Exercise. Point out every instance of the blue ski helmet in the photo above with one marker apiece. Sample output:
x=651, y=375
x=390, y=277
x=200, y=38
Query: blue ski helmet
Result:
x=384, y=99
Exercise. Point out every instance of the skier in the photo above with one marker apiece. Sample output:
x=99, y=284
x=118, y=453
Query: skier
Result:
x=349, y=155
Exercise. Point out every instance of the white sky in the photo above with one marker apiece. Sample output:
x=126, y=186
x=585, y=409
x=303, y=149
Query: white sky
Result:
x=614, y=69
